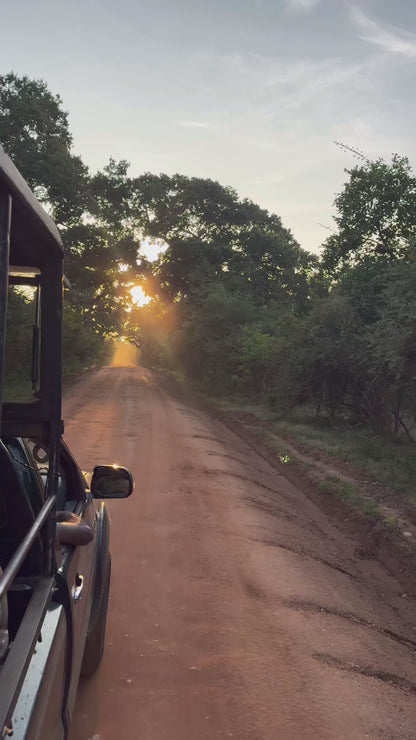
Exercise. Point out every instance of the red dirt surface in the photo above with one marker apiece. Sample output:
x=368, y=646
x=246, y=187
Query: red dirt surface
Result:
x=237, y=607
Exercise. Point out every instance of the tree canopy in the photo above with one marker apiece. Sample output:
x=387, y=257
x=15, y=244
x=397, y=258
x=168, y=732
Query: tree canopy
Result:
x=34, y=131
x=376, y=214
x=235, y=300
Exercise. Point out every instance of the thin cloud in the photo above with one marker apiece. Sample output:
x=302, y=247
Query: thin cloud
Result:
x=389, y=38
x=299, y=5
x=192, y=124
x=269, y=87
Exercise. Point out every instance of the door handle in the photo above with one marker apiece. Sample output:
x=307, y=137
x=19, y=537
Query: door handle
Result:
x=77, y=587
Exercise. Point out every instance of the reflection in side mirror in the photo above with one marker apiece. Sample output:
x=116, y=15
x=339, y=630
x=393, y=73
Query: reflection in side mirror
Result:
x=111, y=481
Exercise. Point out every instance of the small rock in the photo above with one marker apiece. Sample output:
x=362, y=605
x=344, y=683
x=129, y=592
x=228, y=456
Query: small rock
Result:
x=407, y=534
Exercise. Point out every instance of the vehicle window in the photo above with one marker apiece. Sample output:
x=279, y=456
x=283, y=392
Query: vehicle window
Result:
x=25, y=472
x=23, y=344
x=68, y=491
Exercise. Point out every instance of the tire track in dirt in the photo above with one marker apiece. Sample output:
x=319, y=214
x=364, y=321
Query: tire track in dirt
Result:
x=306, y=606
x=392, y=679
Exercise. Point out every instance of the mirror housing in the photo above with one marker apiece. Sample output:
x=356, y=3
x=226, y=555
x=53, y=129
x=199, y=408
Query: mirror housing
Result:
x=111, y=481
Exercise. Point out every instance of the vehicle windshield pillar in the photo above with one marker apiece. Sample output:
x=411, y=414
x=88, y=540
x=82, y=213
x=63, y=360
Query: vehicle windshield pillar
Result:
x=5, y=221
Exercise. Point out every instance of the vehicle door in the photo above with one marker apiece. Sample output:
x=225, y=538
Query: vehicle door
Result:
x=38, y=711
x=76, y=565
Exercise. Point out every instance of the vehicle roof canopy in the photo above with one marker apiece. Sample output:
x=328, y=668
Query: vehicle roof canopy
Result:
x=35, y=247
x=34, y=237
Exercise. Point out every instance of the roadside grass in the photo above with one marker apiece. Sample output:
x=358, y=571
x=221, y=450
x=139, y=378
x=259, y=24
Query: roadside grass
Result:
x=284, y=455
x=389, y=462
x=349, y=493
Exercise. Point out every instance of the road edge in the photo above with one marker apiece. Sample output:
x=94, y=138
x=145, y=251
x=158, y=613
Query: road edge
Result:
x=353, y=510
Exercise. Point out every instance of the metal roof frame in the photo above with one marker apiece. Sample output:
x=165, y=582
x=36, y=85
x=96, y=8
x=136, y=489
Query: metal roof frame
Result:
x=30, y=238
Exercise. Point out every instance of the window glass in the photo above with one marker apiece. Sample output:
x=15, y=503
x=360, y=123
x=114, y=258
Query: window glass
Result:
x=22, y=344
x=25, y=472
x=67, y=492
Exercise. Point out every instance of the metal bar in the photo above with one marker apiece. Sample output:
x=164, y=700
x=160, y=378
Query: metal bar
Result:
x=51, y=297
x=25, y=427
x=36, y=343
x=5, y=221
x=14, y=669
x=24, y=280
x=19, y=555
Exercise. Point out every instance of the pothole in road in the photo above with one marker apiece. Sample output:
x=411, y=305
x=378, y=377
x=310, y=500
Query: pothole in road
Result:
x=392, y=679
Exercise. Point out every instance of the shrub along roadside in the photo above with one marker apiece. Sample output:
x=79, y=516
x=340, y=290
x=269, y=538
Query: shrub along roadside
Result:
x=342, y=339
x=83, y=348
x=349, y=359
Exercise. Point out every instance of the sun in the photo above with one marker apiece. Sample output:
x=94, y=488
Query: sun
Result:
x=139, y=297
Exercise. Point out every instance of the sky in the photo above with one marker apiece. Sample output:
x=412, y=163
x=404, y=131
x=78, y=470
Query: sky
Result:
x=252, y=93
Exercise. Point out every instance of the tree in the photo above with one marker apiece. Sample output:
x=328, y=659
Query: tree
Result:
x=34, y=132
x=212, y=236
x=208, y=340
x=100, y=249
x=376, y=215
x=393, y=345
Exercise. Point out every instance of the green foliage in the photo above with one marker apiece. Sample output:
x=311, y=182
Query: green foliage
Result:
x=150, y=328
x=236, y=301
x=212, y=236
x=328, y=353
x=17, y=372
x=393, y=344
x=267, y=356
x=34, y=132
x=350, y=493
x=394, y=337
x=376, y=215
x=392, y=462
x=209, y=339
x=83, y=347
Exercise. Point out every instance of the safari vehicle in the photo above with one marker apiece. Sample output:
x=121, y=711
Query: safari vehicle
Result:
x=53, y=601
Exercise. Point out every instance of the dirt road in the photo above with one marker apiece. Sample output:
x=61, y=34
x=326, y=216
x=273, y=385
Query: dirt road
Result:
x=237, y=608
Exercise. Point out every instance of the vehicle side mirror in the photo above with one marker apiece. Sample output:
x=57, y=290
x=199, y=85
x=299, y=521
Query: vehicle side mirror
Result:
x=111, y=481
